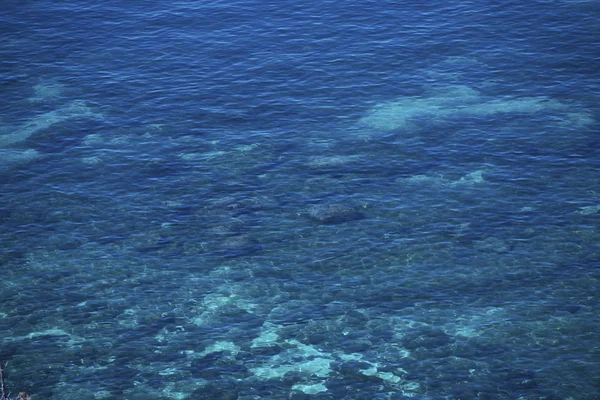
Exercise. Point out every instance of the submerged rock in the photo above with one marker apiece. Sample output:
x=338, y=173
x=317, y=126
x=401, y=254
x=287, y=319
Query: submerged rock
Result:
x=239, y=245
x=334, y=213
x=327, y=162
x=492, y=245
x=14, y=157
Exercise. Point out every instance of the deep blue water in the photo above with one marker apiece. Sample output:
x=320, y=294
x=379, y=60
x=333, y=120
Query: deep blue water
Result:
x=300, y=200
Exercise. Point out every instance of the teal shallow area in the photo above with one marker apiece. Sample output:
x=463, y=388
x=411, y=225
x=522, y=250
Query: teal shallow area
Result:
x=314, y=200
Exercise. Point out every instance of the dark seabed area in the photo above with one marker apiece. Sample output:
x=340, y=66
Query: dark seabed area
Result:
x=336, y=200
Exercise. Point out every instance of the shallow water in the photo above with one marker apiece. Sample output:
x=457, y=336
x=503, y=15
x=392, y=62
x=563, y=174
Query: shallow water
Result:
x=321, y=200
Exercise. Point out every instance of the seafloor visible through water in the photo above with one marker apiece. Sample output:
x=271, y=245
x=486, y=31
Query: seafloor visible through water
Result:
x=300, y=200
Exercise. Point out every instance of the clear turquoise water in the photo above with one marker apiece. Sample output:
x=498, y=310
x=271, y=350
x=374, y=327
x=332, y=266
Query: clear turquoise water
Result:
x=300, y=200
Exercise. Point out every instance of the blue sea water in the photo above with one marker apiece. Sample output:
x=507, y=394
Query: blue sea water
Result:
x=300, y=200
